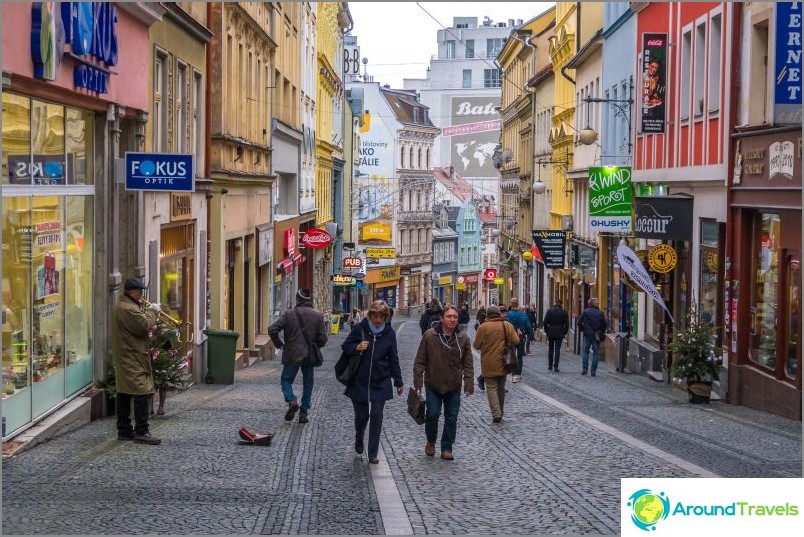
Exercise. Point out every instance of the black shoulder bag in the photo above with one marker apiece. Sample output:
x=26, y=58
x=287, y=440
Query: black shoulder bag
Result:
x=314, y=356
x=348, y=363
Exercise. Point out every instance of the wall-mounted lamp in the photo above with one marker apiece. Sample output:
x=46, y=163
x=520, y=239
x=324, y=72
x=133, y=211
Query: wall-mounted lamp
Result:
x=588, y=135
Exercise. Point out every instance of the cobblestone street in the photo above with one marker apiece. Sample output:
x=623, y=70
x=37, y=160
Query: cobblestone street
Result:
x=552, y=466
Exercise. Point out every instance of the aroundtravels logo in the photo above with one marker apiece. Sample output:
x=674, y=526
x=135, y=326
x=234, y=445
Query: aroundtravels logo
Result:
x=648, y=508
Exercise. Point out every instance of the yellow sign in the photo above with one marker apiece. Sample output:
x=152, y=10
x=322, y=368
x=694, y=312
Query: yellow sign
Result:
x=499, y=281
x=662, y=258
x=711, y=261
x=445, y=280
x=384, y=253
x=343, y=279
x=388, y=274
x=376, y=231
x=460, y=286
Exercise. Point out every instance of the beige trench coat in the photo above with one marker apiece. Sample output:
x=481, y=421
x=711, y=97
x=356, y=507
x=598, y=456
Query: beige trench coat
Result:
x=133, y=368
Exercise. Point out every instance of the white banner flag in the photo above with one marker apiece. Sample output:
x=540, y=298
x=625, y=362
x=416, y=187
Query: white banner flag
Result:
x=630, y=263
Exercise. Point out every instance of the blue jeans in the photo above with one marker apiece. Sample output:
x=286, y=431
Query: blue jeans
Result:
x=452, y=404
x=289, y=373
x=595, y=345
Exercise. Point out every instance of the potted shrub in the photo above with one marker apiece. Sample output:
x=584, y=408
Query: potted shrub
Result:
x=694, y=358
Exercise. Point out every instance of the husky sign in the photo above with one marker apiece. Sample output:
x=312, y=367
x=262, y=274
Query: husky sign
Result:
x=610, y=198
x=166, y=172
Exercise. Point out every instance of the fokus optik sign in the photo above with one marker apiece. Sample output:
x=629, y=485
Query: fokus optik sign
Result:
x=610, y=195
x=89, y=28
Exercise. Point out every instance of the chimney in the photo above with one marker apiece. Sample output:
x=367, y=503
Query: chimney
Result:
x=511, y=22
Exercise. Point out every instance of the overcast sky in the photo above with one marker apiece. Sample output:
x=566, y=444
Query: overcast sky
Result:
x=398, y=38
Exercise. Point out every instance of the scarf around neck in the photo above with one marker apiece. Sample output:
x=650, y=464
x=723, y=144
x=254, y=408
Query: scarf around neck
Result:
x=376, y=331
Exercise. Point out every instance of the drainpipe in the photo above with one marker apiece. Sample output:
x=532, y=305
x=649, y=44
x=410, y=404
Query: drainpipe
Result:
x=730, y=149
x=208, y=165
x=577, y=35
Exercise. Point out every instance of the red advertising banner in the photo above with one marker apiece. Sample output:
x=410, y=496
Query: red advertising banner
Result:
x=654, y=76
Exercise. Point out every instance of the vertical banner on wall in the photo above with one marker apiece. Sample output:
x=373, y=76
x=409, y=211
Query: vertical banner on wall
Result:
x=787, y=71
x=654, y=75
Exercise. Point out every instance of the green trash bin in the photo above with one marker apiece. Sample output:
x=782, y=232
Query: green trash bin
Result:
x=221, y=347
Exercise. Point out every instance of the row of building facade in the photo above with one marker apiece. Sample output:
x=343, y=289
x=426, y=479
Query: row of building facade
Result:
x=254, y=91
x=688, y=117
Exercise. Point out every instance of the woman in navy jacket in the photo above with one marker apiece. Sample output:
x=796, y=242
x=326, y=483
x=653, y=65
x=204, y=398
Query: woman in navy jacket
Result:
x=379, y=363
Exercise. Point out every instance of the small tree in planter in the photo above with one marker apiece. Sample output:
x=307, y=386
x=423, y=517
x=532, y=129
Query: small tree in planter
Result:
x=694, y=357
x=170, y=368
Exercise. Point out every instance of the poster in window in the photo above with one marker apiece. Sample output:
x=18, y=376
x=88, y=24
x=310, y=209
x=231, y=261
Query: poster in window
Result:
x=654, y=68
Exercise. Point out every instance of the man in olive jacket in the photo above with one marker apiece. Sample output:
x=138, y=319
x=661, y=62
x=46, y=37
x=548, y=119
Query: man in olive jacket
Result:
x=134, y=373
x=295, y=351
x=556, y=326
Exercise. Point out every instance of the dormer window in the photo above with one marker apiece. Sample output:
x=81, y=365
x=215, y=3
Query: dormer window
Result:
x=415, y=114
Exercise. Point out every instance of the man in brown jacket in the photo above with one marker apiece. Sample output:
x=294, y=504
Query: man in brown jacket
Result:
x=443, y=363
x=134, y=373
x=490, y=341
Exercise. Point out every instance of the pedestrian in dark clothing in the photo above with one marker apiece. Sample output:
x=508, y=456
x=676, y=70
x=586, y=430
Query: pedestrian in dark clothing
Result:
x=481, y=316
x=593, y=324
x=133, y=365
x=371, y=386
x=530, y=311
x=463, y=317
x=295, y=352
x=555, y=325
x=431, y=315
x=443, y=364
x=517, y=317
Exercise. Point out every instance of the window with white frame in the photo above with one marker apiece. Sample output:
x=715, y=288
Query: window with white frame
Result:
x=492, y=78
x=686, y=74
x=494, y=46
x=466, y=82
x=700, y=70
x=470, y=48
x=197, y=123
x=450, y=49
x=714, y=63
x=160, y=100
x=181, y=105
x=758, y=77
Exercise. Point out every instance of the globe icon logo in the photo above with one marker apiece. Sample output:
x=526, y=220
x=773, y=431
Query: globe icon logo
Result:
x=147, y=167
x=648, y=508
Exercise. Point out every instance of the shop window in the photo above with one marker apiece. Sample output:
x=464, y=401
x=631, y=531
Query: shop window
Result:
x=16, y=139
x=47, y=129
x=79, y=129
x=793, y=316
x=708, y=283
x=764, y=298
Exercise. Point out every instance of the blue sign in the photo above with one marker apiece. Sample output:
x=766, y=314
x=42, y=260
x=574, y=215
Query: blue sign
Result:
x=168, y=172
x=787, y=72
x=90, y=30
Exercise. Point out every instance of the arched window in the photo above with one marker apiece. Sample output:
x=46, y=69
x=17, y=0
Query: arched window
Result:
x=402, y=157
x=419, y=164
x=427, y=163
x=410, y=162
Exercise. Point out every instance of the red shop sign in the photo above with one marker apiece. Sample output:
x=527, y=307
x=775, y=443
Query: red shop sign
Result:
x=489, y=274
x=316, y=238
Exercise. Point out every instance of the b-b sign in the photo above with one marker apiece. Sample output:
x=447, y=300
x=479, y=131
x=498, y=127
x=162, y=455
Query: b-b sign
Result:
x=165, y=172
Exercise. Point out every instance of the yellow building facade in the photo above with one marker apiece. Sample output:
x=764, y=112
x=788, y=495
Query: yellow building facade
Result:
x=239, y=196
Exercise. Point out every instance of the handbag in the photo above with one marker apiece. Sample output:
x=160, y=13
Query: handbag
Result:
x=510, y=360
x=415, y=406
x=314, y=356
x=601, y=335
x=348, y=363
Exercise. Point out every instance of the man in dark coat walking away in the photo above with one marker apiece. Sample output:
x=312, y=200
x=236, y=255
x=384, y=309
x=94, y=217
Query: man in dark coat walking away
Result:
x=463, y=317
x=519, y=319
x=556, y=326
x=133, y=366
x=431, y=315
x=295, y=351
x=592, y=323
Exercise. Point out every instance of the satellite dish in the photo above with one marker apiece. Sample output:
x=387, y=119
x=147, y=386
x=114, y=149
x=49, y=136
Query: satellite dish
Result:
x=507, y=155
x=496, y=162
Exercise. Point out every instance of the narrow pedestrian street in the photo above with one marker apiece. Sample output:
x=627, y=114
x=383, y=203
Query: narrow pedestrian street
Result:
x=552, y=466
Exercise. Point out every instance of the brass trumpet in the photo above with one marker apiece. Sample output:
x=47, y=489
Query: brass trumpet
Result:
x=167, y=317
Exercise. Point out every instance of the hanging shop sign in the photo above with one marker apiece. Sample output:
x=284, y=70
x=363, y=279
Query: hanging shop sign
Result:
x=470, y=278
x=381, y=253
x=663, y=218
x=499, y=281
x=662, y=258
x=489, y=274
x=582, y=256
x=344, y=280
x=552, y=246
x=89, y=28
x=610, y=193
x=316, y=238
x=633, y=268
x=389, y=274
x=352, y=264
x=166, y=172
x=654, y=68
x=787, y=71
x=460, y=285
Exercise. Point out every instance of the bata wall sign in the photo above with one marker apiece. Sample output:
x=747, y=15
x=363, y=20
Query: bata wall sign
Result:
x=787, y=72
x=552, y=246
x=159, y=171
x=654, y=69
x=316, y=238
x=663, y=218
x=610, y=193
x=89, y=28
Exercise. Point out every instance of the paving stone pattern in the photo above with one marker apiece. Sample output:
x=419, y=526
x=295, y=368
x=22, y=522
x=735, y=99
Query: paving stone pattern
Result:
x=541, y=470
